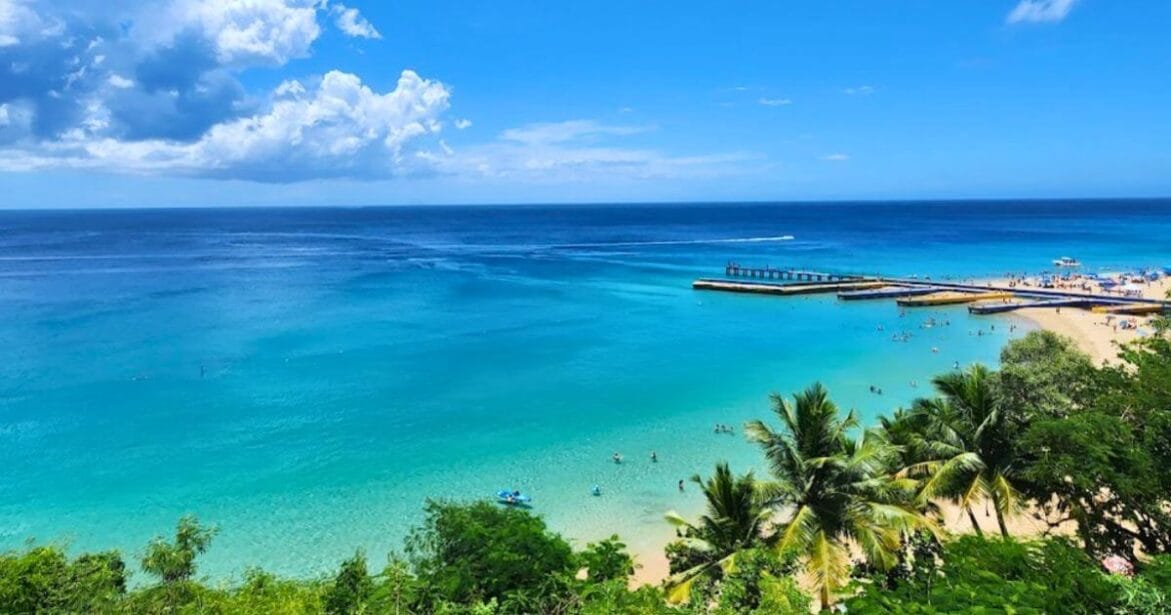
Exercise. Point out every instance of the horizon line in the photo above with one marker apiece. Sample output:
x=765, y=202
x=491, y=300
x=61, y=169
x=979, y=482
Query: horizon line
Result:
x=536, y=204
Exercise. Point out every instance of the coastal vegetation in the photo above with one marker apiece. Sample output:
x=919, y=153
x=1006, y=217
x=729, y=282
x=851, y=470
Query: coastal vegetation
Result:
x=842, y=516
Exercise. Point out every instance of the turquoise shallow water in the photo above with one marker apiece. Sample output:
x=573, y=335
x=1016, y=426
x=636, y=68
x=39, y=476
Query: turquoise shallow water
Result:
x=305, y=378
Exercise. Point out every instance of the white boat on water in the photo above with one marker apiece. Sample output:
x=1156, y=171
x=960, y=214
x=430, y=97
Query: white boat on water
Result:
x=1066, y=261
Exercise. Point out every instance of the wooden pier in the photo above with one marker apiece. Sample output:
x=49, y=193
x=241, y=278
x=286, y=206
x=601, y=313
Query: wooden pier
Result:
x=915, y=292
x=887, y=292
x=952, y=298
x=762, y=288
x=735, y=270
x=1000, y=308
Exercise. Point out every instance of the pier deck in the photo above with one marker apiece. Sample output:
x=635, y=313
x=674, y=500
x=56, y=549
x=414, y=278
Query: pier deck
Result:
x=886, y=292
x=737, y=286
x=734, y=270
x=952, y=298
x=914, y=292
x=1000, y=308
x=1133, y=309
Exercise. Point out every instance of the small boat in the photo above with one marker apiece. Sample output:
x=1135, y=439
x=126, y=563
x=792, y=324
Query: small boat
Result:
x=1066, y=261
x=513, y=498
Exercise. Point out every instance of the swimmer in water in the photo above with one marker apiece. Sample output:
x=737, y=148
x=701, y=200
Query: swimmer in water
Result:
x=617, y=458
x=654, y=457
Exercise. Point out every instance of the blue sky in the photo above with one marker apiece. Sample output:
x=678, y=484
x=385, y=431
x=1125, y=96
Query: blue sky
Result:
x=304, y=102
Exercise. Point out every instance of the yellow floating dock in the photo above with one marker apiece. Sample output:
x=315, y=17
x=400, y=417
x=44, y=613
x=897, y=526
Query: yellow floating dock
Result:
x=1133, y=309
x=783, y=289
x=952, y=298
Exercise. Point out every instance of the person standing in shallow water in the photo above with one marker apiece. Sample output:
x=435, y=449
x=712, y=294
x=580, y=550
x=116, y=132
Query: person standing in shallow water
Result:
x=681, y=485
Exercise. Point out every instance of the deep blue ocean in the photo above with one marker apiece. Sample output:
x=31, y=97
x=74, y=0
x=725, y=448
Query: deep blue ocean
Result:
x=305, y=378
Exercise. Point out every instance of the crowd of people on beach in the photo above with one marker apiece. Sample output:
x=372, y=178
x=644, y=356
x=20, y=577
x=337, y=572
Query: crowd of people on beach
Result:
x=1123, y=283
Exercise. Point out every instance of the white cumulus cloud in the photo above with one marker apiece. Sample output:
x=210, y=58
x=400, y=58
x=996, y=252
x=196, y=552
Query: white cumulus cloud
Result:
x=340, y=128
x=242, y=32
x=17, y=20
x=351, y=22
x=120, y=82
x=1040, y=11
x=154, y=88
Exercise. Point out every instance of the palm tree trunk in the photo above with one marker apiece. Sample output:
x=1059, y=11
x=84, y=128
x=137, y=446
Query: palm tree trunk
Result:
x=825, y=598
x=975, y=524
x=999, y=515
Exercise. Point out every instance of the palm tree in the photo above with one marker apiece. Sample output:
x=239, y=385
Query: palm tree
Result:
x=732, y=524
x=834, y=489
x=930, y=450
x=968, y=441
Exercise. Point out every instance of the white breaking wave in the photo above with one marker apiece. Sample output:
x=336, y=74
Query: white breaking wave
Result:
x=672, y=242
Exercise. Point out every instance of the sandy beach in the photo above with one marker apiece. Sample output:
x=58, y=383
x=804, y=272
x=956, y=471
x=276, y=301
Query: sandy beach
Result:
x=1098, y=335
x=652, y=568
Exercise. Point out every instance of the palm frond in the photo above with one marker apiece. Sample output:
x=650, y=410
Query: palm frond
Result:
x=828, y=563
x=1007, y=497
x=677, y=520
x=943, y=478
x=679, y=585
x=798, y=533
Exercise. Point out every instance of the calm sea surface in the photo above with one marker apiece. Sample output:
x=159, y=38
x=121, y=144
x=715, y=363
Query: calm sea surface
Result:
x=305, y=378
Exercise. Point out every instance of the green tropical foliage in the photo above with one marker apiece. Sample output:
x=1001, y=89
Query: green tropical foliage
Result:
x=174, y=561
x=351, y=589
x=759, y=583
x=44, y=579
x=966, y=447
x=835, y=489
x=976, y=575
x=1104, y=465
x=733, y=523
x=607, y=560
x=1043, y=374
x=481, y=552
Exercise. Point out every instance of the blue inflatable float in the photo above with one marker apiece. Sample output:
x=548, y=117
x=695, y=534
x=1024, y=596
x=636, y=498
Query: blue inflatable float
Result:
x=513, y=498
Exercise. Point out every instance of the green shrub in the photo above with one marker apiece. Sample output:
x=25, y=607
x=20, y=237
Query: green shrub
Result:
x=982, y=575
x=607, y=560
x=351, y=589
x=466, y=553
x=43, y=579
